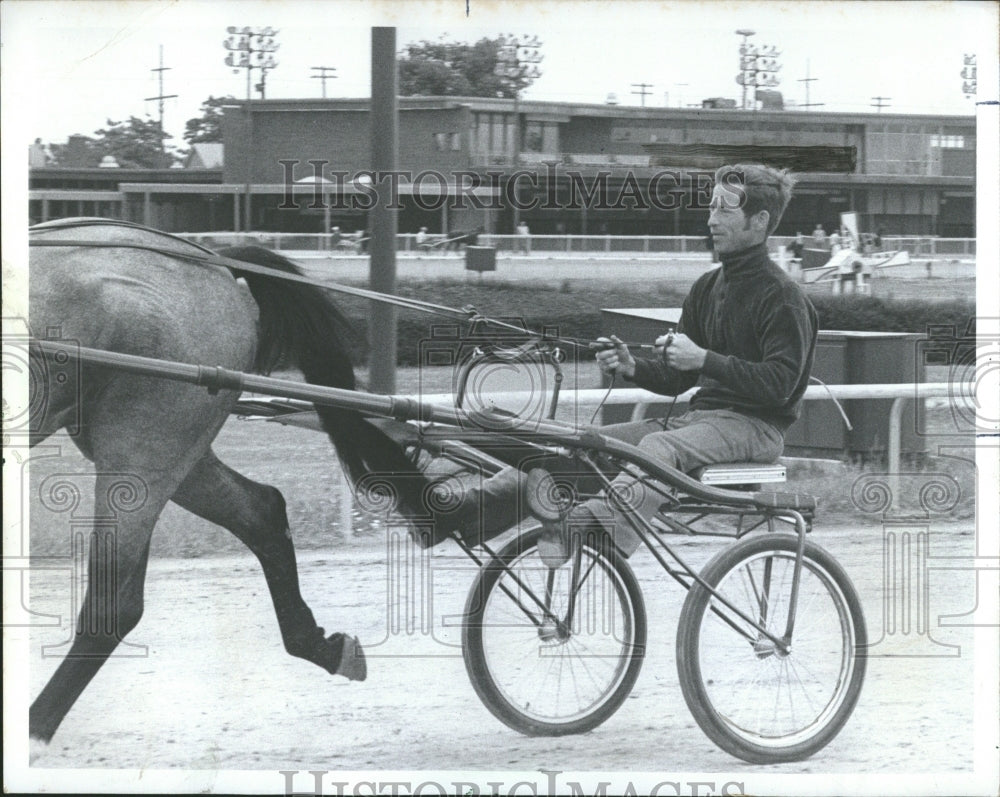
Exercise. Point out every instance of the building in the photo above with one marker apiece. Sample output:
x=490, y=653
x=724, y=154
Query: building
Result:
x=569, y=167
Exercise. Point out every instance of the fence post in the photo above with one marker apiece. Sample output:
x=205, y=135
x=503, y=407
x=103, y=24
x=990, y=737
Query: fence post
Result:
x=346, y=506
x=895, y=443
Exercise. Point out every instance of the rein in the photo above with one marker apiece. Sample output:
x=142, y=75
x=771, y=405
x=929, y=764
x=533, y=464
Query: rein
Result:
x=207, y=257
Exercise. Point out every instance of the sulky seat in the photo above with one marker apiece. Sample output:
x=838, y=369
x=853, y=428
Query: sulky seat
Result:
x=740, y=473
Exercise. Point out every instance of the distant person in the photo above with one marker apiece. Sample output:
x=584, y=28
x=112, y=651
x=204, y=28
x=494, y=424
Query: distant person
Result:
x=421, y=239
x=835, y=242
x=524, y=238
x=335, y=237
x=877, y=238
x=797, y=246
x=819, y=237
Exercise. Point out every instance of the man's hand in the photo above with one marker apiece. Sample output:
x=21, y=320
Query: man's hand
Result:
x=680, y=352
x=615, y=358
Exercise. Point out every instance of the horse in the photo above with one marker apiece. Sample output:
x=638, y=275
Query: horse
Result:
x=125, y=288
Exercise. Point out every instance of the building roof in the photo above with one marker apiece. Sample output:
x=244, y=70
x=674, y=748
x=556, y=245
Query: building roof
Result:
x=205, y=155
x=562, y=111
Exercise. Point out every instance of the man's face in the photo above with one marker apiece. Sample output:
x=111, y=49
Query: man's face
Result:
x=731, y=229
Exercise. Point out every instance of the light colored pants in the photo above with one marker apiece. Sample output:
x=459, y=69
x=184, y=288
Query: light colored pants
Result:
x=690, y=440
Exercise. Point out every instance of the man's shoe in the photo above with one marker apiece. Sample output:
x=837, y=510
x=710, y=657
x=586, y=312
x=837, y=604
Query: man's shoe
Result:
x=547, y=504
x=553, y=545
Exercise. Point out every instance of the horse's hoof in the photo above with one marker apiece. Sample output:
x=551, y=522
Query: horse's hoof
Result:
x=352, y=660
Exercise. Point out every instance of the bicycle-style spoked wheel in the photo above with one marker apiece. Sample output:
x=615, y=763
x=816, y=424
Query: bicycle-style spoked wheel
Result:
x=554, y=651
x=753, y=699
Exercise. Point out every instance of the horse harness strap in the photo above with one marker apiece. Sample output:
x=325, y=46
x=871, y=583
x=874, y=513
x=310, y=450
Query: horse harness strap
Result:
x=210, y=258
x=206, y=256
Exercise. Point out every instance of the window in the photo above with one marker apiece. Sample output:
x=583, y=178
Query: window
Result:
x=533, y=137
x=448, y=141
x=948, y=142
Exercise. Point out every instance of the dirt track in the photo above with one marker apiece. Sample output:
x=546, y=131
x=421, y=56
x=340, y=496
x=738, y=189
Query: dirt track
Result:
x=214, y=689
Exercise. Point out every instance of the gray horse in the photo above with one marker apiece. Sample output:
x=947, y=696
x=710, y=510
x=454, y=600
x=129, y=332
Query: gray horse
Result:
x=129, y=289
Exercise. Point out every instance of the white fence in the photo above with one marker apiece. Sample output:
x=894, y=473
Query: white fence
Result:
x=641, y=399
x=550, y=245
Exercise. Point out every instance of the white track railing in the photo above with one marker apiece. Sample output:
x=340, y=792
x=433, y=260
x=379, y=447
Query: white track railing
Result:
x=550, y=245
x=642, y=399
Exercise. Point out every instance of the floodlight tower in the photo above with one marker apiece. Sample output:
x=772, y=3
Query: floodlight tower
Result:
x=517, y=63
x=746, y=33
x=758, y=66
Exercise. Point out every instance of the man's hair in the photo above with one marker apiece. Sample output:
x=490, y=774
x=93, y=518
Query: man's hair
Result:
x=759, y=187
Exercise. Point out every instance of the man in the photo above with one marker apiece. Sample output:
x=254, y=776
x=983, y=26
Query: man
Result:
x=421, y=239
x=797, y=247
x=746, y=339
x=819, y=237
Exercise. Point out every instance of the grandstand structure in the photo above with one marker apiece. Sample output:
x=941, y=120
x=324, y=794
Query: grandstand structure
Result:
x=573, y=169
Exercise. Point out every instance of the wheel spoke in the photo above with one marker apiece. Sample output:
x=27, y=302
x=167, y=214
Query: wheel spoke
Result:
x=559, y=677
x=771, y=703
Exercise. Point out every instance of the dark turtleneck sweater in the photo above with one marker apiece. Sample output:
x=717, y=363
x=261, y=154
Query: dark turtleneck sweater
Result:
x=760, y=332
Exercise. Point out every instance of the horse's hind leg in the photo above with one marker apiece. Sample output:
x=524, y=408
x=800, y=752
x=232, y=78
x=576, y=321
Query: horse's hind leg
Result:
x=255, y=513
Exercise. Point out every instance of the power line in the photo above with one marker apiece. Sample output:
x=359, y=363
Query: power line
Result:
x=161, y=97
x=642, y=92
x=880, y=104
x=325, y=74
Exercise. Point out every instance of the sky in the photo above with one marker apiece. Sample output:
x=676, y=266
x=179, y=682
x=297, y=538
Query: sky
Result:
x=68, y=67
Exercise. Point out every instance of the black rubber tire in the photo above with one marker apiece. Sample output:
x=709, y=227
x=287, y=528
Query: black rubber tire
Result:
x=837, y=597
x=625, y=645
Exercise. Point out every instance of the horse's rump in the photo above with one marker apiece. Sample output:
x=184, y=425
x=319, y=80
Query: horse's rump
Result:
x=135, y=290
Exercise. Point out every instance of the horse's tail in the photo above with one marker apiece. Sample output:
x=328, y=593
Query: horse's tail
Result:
x=299, y=323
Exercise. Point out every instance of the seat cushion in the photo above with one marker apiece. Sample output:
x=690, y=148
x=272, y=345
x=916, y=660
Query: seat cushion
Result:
x=740, y=473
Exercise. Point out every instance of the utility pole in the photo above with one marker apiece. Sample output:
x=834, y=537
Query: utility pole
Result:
x=384, y=219
x=325, y=74
x=807, y=80
x=680, y=93
x=880, y=103
x=160, y=98
x=642, y=92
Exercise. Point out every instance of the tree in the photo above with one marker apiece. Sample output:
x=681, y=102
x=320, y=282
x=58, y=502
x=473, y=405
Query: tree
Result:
x=137, y=143
x=208, y=126
x=445, y=68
